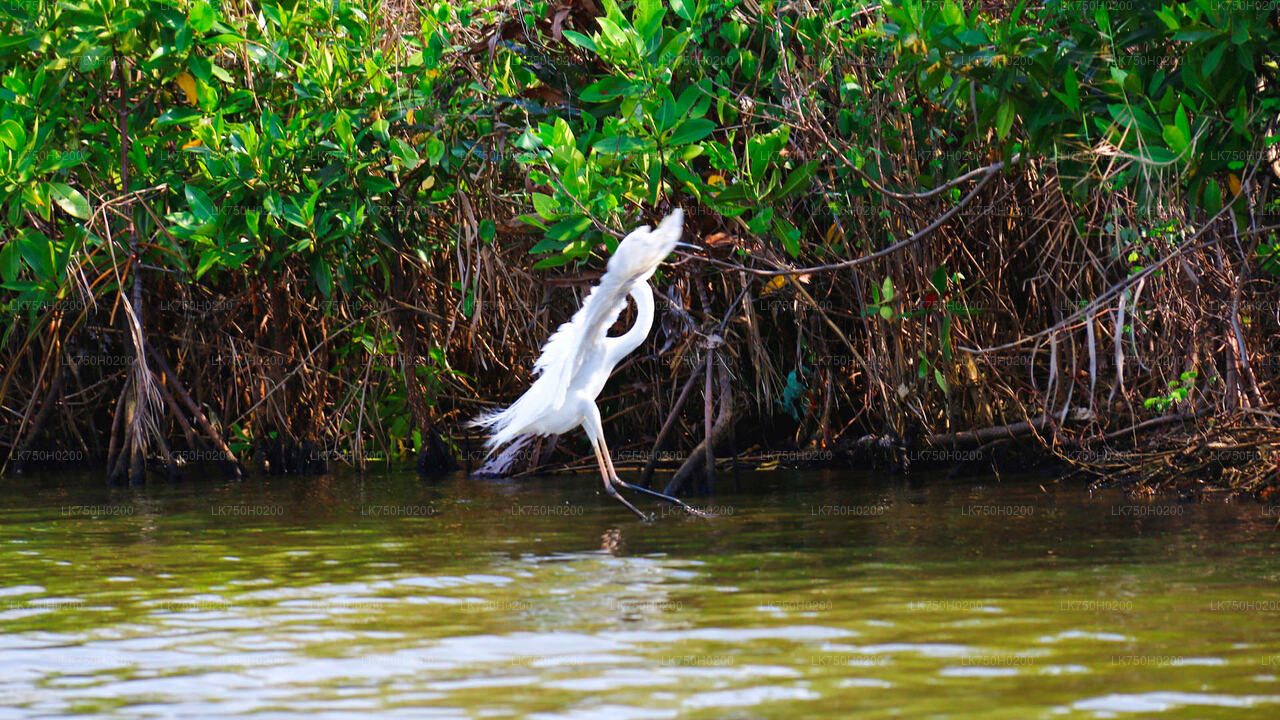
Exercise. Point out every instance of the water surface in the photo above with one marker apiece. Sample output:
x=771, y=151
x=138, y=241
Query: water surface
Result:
x=819, y=594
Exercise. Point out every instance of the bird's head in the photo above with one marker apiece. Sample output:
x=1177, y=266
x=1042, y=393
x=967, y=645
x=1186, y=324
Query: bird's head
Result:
x=643, y=250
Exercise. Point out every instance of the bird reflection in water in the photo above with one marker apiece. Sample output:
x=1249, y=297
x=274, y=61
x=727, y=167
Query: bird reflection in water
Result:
x=611, y=541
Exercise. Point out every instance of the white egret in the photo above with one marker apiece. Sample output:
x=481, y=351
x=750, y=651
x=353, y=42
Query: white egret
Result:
x=580, y=356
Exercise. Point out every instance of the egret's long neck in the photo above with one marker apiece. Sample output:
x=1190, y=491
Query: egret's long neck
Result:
x=622, y=345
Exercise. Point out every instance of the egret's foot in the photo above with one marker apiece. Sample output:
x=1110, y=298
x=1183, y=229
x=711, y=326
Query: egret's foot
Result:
x=663, y=496
x=614, y=494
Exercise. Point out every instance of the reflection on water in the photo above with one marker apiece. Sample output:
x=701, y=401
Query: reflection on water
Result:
x=813, y=594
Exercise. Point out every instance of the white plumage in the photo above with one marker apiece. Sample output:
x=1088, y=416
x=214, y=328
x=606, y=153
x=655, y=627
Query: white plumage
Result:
x=578, y=359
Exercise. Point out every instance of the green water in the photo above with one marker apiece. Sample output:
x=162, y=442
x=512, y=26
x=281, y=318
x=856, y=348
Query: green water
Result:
x=812, y=595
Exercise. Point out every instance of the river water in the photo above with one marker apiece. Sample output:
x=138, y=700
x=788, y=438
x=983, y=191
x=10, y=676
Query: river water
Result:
x=815, y=595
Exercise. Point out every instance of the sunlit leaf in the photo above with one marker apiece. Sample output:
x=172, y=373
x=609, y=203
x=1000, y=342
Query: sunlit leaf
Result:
x=70, y=200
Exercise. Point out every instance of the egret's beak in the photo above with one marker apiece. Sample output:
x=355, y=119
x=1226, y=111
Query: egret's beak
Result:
x=687, y=246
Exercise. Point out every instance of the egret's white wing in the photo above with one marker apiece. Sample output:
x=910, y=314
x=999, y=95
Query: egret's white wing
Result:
x=565, y=352
x=636, y=258
x=559, y=362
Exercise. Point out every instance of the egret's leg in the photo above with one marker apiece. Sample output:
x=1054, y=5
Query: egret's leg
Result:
x=663, y=496
x=613, y=474
x=604, y=473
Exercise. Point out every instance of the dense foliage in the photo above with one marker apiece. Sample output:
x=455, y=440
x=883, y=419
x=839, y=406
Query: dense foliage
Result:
x=337, y=220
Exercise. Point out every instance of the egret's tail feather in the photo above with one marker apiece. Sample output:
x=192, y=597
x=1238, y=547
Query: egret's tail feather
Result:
x=497, y=423
x=484, y=421
x=520, y=418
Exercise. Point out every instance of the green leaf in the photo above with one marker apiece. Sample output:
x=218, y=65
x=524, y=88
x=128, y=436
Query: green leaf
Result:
x=788, y=234
x=1193, y=35
x=552, y=261
x=797, y=179
x=610, y=88
x=942, y=382
x=201, y=68
x=647, y=18
x=200, y=204
x=688, y=98
x=1136, y=118
x=1155, y=153
x=342, y=130
x=273, y=204
x=1168, y=19
x=405, y=152
x=667, y=115
x=9, y=262
x=293, y=214
x=1072, y=85
x=691, y=131
x=16, y=40
x=208, y=259
x=435, y=150
x=546, y=245
x=11, y=134
x=1004, y=118
x=580, y=40
x=546, y=206
x=322, y=274
x=939, y=279
x=946, y=337
x=1211, y=197
x=617, y=37
x=1174, y=138
x=37, y=250
x=621, y=144
x=179, y=116
x=202, y=16
x=570, y=228
x=952, y=14
x=1212, y=59
x=70, y=200
x=377, y=185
